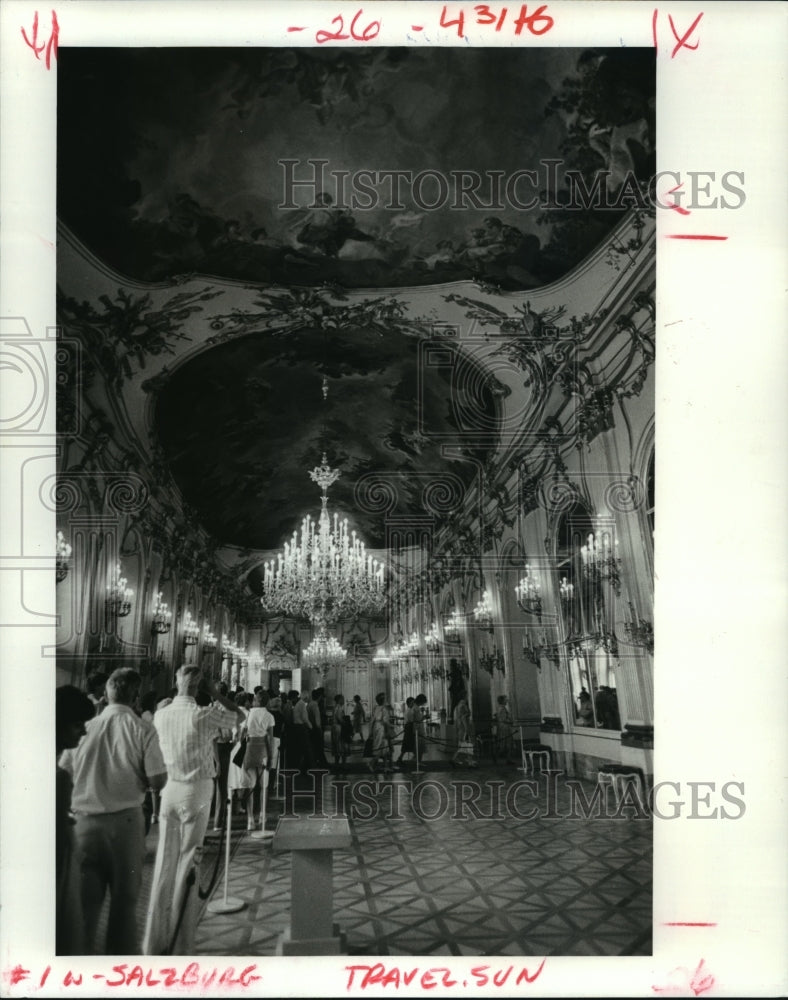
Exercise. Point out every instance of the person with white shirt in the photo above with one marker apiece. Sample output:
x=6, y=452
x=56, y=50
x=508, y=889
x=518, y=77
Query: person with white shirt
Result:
x=112, y=768
x=186, y=734
x=259, y=747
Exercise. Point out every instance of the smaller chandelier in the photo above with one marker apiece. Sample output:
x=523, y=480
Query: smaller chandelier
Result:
x=323, y=652
x=413, y=643
x=381, y=658
x=191, y=630
x=62, y=556
x=162, y=617
x=119, y=595
x=482, y=613
x=209, y=640
x=600, y=559
x=432, y=641
x=527, y=592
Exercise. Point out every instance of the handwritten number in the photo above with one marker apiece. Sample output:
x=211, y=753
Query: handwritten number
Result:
x=326, y=36
x=460, y=21
x=529, y=21
x=371, y=31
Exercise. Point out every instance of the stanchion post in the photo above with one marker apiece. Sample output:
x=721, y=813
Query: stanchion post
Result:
x=228, y=904
x=523, y=760
x=417, y=769
x=262, y=833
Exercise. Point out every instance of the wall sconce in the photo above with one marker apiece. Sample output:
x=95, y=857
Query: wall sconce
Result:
x=492, y=661
x=209, y=641
x=528, y=593
x=482, y=613
x=432, y=641
x=62, y=556
x=600, y=558
x=452, y=630
x=566, y=592
x=191, y=630
x=119, y=595
x=640, y=631
x=162, y=617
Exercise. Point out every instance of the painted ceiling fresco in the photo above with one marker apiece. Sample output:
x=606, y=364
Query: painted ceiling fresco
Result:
x=175, y=162
x=244, y=423
x=179, y=161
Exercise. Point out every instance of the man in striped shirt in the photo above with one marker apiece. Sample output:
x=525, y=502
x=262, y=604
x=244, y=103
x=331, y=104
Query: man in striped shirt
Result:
x=186, y=735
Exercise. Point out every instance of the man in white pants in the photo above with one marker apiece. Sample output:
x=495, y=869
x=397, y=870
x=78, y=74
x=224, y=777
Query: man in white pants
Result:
x=186, y=735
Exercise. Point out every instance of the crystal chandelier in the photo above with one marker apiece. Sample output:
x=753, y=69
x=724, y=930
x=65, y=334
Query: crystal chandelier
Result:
x=323, y=652
x=162, y=617
x=325, y=573
x=62, y=556
x=527, y=593
x=432, y=641
x=119, y=595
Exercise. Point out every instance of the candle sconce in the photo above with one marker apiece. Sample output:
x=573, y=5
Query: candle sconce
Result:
x=191, y=630
x=528, y=593
x=482, y=613
x=62, y=557
x=600, y=559
x=639, y=631
x=162, y=617
x=492, y=661
x=119, y=595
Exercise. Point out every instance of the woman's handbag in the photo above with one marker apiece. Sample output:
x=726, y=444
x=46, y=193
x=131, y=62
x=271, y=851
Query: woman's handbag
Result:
x=240, y=753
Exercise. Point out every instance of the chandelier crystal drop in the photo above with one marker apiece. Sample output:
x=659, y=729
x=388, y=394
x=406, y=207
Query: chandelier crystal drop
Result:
x=324, y=573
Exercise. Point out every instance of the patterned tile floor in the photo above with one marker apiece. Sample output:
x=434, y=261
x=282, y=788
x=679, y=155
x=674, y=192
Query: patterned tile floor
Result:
x=455, y=884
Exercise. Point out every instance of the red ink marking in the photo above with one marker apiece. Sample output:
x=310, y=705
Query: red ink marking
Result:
x=698, y=982
x=296, y=29
x=675, y=205
x=72, y=979
x=45, y=975
x=696, y=236
x=682, y=42
x=459, y=21
x=363, y=976
x=371, y=31
x=17, y=974
x=654, y=17
x=50, y=46
x=530, y=20
x=691, y=923
x=417, y=27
